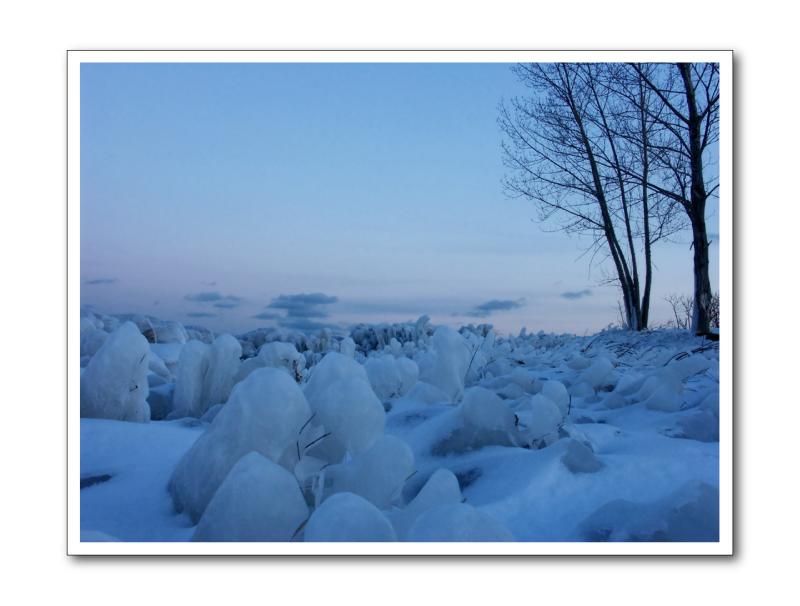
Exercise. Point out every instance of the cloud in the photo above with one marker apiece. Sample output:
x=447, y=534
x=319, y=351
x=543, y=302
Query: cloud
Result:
x=301, y=310
x=200, y=314
x=303, y=305
x=576, y=294
x=211, y=296
x=95, y=281
x=301, y=324
x=484, y=310
x=266, y=315
x=226, y=304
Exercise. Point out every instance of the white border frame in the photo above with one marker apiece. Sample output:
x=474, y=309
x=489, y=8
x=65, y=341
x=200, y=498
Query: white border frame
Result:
x=76, y=547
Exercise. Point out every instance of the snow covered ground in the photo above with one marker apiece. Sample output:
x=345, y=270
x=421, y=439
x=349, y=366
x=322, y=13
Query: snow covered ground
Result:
x=397, y=432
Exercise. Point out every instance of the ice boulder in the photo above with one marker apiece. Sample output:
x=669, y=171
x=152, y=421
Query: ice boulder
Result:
x=391, y=377
x=447, y=364
x=114, y=384
x=257, y=501
x=92, y=338
x=579, y=458
x=170, y=332
x=557, y=393
x=460, y=522
x=598, y=373
x=192, y=367
x=264, y=414
x=206, y=374
x=541, y=420
x=223, y=363
x=347, y=347
x=348, y=517
x=275, y=355
x=353, y=415
x=378, y=474
x=441, y=489
x=333, y=367
x=485, y=411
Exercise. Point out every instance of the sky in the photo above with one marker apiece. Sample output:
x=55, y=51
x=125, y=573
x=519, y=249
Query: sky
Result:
x=235, y=196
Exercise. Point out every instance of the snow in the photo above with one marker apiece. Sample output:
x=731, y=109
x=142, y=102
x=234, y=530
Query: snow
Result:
x=114, y=384
x=258, y=501
x=264, y=414
x=348, y=517
x=460, y=522
x=610, y=437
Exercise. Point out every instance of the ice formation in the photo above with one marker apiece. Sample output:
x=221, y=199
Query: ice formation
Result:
x=114, y=384
x=264, y=414
x=257, y=501
x=348, y=517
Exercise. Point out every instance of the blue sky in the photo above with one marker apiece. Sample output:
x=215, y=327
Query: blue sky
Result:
x=209, y=191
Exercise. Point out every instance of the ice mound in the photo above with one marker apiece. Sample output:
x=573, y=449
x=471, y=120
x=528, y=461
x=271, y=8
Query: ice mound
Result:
x=114, y=384
x=223, y=363
x=264, y=414
x=599, y=373
x=556, y=393
x=378, y=474
x=257, y=501
x=539, y=422
x=348, y=517
x=445, y=365
x=333, y=367
x=353, y=415
x=579, y=458
x=459, y=522
x=275, y=355
x=485, y=411
x=92, y=339
x=206, y=374
x=691, y=513
x=391, y=377
x=440, y=489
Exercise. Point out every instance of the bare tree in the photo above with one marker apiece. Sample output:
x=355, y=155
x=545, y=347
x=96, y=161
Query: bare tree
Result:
x=580, y=149
x=686, y=110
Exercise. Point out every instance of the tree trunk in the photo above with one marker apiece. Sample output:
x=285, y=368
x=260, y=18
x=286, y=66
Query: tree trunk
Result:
x=697, y=211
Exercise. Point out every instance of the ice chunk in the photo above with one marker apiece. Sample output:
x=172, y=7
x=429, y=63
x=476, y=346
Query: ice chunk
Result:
x=206, y=374
x=354, y=416
x=223, y=363
x=347, y=347
x=257, y=501
x=484, y=410
x=664, y=398
x=579, y=458
x=264, y=414
x=598, y=373
x=447, y=366
x=378, y=474
x=275, y=355
x=192, y=368
x=348, y=517
x=114, y=384
x=440, y=489
x=459, y=522
x=691, y=513
x=557, y=393
x=541, y=420
x=333, y=367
